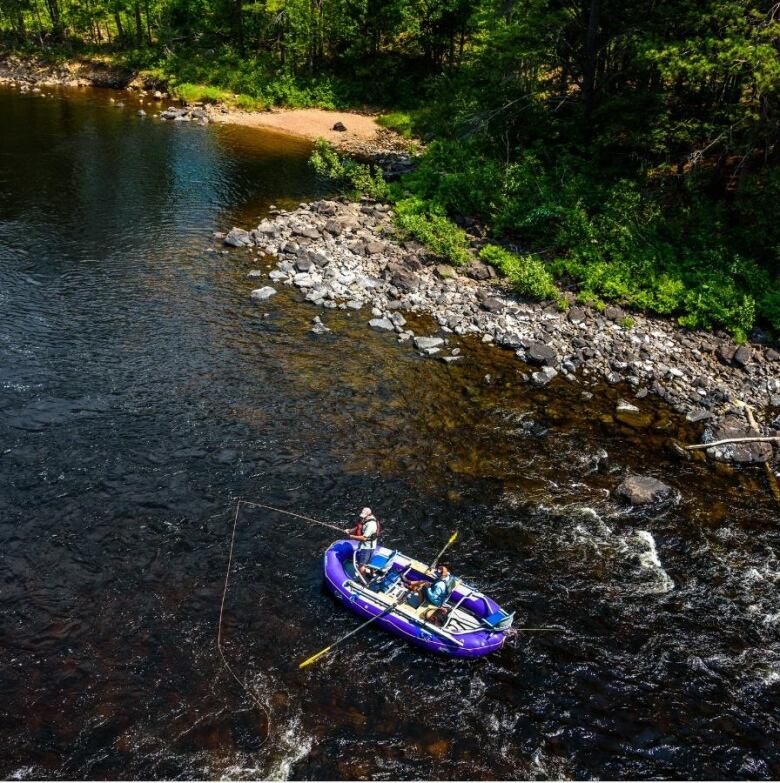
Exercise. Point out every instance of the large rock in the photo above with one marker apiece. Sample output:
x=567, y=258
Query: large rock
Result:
x=492, y=305
x=382, y=324
x=640, y=490
x=744, y=453
x=476, y=270
x=428, y=343
x=307, y=231
x=743, y=355
x=237, y=237
x=541, y=353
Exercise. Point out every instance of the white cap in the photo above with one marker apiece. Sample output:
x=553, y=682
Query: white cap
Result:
x=366, y=512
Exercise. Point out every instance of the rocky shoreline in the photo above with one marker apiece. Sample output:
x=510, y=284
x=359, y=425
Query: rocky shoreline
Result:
x=344, y=255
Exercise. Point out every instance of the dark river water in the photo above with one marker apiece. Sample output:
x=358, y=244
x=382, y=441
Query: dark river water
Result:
x=142, y=392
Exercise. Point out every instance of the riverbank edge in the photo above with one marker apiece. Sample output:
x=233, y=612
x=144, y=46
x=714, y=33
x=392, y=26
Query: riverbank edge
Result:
x=346, y=255
x=361, y=135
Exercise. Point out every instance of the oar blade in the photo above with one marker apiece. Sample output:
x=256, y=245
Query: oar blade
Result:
x=314, y=657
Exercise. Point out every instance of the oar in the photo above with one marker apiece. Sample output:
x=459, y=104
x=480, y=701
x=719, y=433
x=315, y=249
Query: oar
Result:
x=387, y=611
x=436, y=559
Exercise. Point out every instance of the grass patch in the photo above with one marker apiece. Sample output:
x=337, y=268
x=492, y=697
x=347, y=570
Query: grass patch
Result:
x=398, y=121
x=201, y=93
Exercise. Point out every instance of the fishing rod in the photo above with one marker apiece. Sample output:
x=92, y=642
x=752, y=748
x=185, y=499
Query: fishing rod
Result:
x=260, y=706
x=291, y=514
x=387, y=611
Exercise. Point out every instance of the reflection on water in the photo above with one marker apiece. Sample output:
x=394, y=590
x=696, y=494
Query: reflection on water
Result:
x=141, y=392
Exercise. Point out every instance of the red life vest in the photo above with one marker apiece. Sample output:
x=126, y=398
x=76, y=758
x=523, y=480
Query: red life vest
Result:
x=362, y=522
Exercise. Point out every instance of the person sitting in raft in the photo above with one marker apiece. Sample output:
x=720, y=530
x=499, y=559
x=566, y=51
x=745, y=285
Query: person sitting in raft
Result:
x=433, y=594
x=367, y=533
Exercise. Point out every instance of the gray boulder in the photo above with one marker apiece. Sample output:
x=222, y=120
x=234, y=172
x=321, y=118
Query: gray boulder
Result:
x=382, y=324
x=427, y=343
x=541, y=353
x=492, y=305
x=307, y=231
x=237, y=237
x=641, y=490
x=743, y=453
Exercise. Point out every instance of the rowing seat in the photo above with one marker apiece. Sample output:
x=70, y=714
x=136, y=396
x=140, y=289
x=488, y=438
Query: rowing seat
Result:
x=497, y=619
x=388, y=582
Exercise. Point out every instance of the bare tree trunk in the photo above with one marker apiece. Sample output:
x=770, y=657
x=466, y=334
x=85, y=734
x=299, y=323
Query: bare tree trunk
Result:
x=148, y=23
x=120, y=32
x=589, y=63
x=139, y=29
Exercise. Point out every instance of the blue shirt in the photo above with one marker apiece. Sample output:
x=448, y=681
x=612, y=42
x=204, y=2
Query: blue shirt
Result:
x=437, y=592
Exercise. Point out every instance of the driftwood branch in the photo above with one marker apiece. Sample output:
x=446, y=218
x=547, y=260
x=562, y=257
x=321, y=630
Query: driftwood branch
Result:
x=757, y=438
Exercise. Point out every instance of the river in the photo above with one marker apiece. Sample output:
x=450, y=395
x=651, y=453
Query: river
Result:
x=142, y=392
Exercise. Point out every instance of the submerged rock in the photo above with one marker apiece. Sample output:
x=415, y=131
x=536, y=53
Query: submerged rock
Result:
x=641, y=490
x=382, y=324
x=428, y=343
x=237, y=237
x=629, y=414
x=544, y=376
x=318, y=327
x=261, y=294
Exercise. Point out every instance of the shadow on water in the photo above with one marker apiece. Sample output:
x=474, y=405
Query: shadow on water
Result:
x=141, y=392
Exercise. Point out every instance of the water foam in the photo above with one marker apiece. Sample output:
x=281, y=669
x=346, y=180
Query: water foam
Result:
x=649, y=560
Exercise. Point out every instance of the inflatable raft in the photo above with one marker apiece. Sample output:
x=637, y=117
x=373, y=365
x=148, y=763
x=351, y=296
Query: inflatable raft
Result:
x=472, y=624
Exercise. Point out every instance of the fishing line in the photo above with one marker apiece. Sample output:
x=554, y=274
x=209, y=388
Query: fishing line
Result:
x=260, y=706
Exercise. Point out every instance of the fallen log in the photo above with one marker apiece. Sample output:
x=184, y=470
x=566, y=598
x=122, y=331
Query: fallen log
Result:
x=762, y=438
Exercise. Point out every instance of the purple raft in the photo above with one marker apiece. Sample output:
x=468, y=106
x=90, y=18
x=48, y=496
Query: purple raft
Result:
x=474, y=624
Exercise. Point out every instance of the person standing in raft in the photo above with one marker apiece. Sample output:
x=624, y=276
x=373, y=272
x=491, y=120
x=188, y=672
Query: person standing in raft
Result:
x=367, y=533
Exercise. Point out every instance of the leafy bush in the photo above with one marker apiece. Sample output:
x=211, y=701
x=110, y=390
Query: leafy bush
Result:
x=427, y=224
x=675, y=254
x=352, y=178
x=527, y=273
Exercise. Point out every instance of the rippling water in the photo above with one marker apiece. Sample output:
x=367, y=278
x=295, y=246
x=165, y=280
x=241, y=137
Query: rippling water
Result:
x=141, y=392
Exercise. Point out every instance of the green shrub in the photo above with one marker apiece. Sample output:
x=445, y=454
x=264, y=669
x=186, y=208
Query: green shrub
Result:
x=352, y=178
x=527, y=274
x=427, y=224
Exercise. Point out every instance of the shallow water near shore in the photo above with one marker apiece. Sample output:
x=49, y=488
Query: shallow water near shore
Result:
x=142, y=392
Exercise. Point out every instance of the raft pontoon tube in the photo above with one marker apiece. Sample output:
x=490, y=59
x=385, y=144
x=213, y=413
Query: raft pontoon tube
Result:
x=474, y=625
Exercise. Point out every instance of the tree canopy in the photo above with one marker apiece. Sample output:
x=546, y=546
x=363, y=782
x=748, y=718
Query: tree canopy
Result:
x=631, y=146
